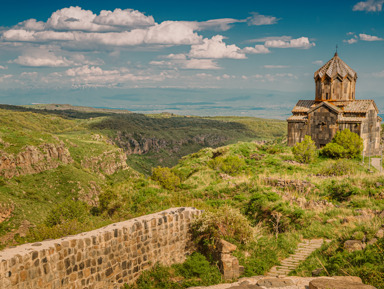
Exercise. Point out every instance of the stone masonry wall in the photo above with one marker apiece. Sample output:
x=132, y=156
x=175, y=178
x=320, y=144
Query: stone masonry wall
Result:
x=103, y=258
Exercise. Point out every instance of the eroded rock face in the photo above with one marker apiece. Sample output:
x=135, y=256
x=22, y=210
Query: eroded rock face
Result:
x=138, y=145
x=107, y=163
x=325, y=283
x=34, y=160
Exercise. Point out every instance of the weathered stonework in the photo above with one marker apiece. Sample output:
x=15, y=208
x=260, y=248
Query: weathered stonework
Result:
x=103, y=258
x=335, y=109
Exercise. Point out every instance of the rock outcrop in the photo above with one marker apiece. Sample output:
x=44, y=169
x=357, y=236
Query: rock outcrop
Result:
x=32, y=160
x=138, y=145
x=107, y=163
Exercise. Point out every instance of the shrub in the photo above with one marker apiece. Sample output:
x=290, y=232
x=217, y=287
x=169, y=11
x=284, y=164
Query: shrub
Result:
x=166, y=178
x=334, y=150
x=305, y=151
x=109, y=202
x=68, y=210
x=224, y=223
x=339, y=168
x=345, y=144
x=230, y=165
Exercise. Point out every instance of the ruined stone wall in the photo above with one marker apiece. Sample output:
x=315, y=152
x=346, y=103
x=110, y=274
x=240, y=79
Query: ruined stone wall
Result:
x=103, y=258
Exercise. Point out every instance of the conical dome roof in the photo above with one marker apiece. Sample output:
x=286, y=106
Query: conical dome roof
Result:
x=335, y=67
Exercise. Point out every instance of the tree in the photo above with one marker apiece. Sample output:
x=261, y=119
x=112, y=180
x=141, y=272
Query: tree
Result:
x=345, y=144
x=305, y=151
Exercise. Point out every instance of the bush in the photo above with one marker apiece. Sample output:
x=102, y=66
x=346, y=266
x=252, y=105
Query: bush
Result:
x=305, y=151
x=224, y=223
x=339, y=168
x=166, y=178
x=66, y=211
x=345, y=144
x=230, y=165
x=334, y=150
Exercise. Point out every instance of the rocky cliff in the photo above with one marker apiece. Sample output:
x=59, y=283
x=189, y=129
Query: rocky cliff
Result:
x=33, y=160
x=136, y=144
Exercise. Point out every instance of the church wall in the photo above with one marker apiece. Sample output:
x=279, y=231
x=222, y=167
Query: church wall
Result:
x=370, y=133
x=322, y=125
x=353, y=127
x=296, y=132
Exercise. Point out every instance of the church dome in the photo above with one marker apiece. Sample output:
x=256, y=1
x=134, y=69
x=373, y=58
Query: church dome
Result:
x=335, y=67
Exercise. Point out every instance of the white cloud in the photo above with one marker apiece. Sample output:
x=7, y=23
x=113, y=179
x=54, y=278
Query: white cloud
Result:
x=366, y=37
x=369, y=6
x=176, y=56
x=199, y=64
x=3, y=67
x=216, y=48
x=222, y=24
x=302, y=42
x=258, y=19
x=351, y=41
x=166, y=33
x=318, y=62
x=42, y=58
x=5, y=76
x=258, y=49
x=127, y=18
x=275, y=66
x=86, y=70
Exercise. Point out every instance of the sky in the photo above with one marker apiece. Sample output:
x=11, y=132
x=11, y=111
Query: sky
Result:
x=246, y=58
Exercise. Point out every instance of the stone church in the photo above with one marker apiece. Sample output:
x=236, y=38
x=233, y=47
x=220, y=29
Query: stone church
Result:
x=335, y=109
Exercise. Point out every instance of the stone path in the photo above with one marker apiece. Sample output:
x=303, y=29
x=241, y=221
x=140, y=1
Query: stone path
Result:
x=292, y=262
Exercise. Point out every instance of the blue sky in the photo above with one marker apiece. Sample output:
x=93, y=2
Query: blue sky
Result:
x=253, y=58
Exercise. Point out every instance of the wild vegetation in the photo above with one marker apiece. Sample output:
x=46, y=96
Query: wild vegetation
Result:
x=256, y=195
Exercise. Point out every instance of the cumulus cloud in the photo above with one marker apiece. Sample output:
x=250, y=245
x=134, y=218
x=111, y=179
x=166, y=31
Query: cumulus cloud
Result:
x=351, y=41
x=369, y=6
x=258, y=49
x=166, y=33
x=3, y=67
x=366, y=37
x=302, y=42
x=258, y=19
x=126, y=18
x=199, y=64
x=215, y=48
x=41, y=58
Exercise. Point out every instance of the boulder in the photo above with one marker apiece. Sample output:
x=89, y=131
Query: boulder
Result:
x=353, y=245
x=275, y=282
x=380, y=233
x=225, y=247
x=327, y=283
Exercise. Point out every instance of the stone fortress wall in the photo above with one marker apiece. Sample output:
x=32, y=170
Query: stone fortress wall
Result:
x=103, y=258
